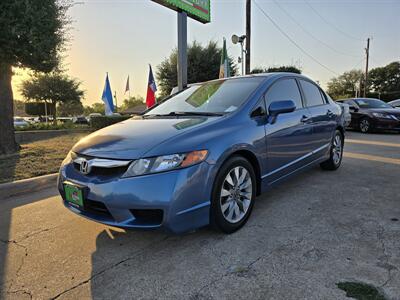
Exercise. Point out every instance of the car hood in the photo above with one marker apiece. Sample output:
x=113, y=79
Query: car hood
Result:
x=392, y=111
x=132, y=138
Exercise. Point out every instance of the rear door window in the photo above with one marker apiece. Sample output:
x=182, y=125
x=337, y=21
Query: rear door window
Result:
x=284, y=89
x=312, y=94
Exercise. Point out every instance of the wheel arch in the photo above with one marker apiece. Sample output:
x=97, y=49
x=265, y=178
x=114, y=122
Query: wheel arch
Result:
x=341, y=129
x=252, y=158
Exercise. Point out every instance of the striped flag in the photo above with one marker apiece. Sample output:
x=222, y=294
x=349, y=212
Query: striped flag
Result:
x=151, y=90
x=107, y=98
x=224, y=70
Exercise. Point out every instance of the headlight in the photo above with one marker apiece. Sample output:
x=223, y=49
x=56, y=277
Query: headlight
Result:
x=382, y=116
x=164, y=163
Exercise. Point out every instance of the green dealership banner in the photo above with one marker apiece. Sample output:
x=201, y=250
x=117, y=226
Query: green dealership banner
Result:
x=196, y=9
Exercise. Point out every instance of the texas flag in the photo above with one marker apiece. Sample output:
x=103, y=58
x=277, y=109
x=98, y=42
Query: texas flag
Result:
x=151, y=90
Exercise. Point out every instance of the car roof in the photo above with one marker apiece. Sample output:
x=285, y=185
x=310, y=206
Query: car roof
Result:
x=258, y=75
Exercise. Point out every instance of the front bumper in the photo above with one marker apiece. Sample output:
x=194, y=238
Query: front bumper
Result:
x=386, y=124
x=177, y=200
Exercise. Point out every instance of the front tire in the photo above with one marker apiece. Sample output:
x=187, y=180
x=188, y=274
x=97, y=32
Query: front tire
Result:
x=233, y=195
x=336, y=153
x=364, y=125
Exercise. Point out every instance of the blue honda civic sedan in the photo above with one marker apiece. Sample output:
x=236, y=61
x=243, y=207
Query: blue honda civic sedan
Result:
x=203, y=155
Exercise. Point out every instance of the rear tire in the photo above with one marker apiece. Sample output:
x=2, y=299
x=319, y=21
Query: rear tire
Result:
x=336, y=153
x=233, y=195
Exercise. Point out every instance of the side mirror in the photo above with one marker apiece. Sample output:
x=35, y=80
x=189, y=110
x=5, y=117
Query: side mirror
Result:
x=353, y=108
x=281, y=107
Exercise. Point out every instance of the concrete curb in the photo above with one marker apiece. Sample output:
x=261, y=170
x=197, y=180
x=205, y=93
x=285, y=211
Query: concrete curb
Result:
x=24, y=186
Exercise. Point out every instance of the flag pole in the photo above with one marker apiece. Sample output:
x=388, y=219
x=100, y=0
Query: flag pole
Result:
x=116, y=103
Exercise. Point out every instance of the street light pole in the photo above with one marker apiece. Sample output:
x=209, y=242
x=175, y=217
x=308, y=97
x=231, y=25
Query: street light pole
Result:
x=242, y=51
x=366, y=68
x=240, y=39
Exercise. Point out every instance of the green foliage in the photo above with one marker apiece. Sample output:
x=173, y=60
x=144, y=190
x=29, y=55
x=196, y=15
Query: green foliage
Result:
x=203, y=65
x=94, y=108
x=290, y=69
x=19, y=105
x=385, y=81
x=32, y=35
x=51, y=126
x=345, y=85
x=32, y=32
x=70, y=109
x=131, y=102
x=38, y=109
x=54, y=87
x=104, y=121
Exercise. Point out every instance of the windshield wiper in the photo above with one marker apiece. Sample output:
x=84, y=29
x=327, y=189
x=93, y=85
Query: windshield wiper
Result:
x=185, y=113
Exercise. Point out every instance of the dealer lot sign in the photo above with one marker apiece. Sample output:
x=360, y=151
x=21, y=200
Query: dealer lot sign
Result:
x=195, y=9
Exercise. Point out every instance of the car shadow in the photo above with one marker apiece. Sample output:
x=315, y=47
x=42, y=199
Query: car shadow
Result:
x=155, y=264
x=7, y=207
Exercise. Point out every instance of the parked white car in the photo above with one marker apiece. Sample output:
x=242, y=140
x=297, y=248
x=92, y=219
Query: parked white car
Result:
x=20, y=122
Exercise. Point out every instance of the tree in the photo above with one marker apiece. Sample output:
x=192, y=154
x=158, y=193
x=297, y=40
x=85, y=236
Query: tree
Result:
x=52, y=88
x=290, y=69
x=32, y=34
x=345, y=85
x=385, y=81
x=70, y=109
x=131, y=102
x=38, y=109
x=203, y=65
x=94, y=108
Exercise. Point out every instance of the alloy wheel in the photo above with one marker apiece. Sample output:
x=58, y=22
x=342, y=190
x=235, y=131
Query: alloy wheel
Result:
x=337, y=149
x=364, y=125
x=236, y=194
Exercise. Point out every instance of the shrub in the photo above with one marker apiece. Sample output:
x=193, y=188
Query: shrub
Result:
x=51, y=126
x=98, y=122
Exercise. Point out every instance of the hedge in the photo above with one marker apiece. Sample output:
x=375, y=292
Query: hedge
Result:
x=98, y=122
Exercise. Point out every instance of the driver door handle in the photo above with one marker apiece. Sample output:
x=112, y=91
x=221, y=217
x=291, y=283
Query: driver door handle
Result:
x=305, y=119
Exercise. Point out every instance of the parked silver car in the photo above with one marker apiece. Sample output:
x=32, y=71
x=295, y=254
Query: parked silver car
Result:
x=20, y=122
x=395, y=103
x=346, y=111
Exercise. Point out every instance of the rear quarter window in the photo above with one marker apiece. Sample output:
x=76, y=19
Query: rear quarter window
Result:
x=312, y=94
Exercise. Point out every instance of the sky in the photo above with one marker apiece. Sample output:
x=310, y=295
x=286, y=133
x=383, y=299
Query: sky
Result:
x=324, y=38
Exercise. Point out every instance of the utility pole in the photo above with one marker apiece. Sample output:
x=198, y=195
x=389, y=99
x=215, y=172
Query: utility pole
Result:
x=182, y=50
x=248, y=33
x=366, y=68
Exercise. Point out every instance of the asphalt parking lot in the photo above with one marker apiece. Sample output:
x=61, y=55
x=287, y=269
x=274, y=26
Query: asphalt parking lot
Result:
x=304, y=237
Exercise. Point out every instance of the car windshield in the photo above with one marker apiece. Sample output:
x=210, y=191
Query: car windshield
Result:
x=216, y=97
x=372, y=103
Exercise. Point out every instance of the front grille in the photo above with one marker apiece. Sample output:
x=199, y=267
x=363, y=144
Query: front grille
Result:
x=97, y=171
x=96, y=207
x=148, y=216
